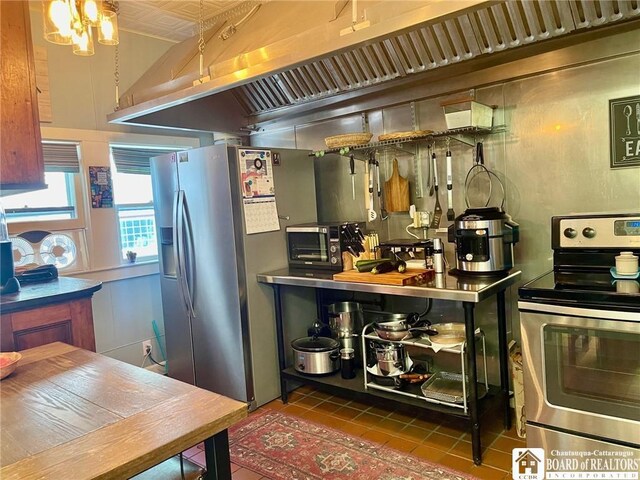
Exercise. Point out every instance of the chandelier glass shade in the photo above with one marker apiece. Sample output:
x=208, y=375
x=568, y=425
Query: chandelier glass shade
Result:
x=70, y=22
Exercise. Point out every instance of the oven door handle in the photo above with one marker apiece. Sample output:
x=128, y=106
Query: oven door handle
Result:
x=583, y=313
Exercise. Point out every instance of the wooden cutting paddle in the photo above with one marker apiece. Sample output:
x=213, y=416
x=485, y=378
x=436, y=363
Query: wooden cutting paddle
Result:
x=396, y=191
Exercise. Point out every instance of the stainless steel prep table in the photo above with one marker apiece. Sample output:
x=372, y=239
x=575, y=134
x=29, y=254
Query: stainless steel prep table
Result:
x=468, y=290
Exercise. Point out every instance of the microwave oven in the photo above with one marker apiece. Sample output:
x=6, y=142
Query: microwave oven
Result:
x=315, y=245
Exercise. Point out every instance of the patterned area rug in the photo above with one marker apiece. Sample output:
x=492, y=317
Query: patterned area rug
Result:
x=283, y=447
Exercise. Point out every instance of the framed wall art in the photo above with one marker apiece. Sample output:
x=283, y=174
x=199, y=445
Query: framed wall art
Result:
x=624, y=127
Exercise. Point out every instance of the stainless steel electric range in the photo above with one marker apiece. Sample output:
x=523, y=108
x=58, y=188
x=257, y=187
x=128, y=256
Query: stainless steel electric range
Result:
x=580, y=328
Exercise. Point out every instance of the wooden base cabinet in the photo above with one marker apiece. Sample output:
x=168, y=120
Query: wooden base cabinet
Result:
x=69, y=322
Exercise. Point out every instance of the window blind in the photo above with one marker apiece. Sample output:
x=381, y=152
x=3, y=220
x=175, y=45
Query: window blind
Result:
x=136, y=159
x=61, y=157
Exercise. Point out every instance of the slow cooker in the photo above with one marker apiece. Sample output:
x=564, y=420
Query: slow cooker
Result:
x=316, y=355
x=484, y=239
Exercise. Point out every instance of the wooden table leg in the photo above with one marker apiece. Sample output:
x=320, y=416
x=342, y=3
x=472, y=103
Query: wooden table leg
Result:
x=216, y=453
x=473, y=382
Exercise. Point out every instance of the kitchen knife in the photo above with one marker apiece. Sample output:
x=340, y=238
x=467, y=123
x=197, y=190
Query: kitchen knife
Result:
x=437, y=211
x=451, y=215
x=383, y=211
x=352, y=169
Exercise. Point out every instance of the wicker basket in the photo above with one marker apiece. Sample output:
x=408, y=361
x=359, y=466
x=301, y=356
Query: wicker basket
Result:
x=412, y=135
x=347, y=139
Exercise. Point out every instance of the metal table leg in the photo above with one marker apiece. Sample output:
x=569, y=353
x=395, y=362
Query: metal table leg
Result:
x=216, y=453
x=504, y=357
x=282, y=359
x=473, y=382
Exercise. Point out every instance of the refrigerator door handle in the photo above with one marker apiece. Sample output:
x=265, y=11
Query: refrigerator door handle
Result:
x=178, y=238
x=176, y=210
x=188, y=257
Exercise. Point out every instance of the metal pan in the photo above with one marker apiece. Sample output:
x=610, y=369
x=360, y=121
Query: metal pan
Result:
x=449, y=333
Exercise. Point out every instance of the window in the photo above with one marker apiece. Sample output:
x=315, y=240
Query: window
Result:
x=133, y=198
x=59, y=201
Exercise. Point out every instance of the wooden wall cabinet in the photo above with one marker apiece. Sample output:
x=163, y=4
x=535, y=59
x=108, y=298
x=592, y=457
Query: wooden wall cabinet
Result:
x=21, y=161
x=69, y=322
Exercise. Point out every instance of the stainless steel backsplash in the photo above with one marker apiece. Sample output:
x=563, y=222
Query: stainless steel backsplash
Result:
x=553, y=159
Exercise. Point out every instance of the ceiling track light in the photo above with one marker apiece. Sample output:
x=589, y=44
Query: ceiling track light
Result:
x=70, y=22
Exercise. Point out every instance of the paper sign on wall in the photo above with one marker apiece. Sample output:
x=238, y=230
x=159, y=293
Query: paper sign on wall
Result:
x=258, y=191
x=101, y=187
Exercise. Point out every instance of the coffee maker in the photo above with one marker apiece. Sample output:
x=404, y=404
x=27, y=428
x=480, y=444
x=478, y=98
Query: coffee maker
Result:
x=8, y=281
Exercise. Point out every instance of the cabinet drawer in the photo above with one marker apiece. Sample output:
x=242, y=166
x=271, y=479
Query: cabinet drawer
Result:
x=68, y=322
x=42, y=316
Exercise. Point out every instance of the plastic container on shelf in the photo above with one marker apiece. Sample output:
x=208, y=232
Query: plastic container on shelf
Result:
x=467, y=113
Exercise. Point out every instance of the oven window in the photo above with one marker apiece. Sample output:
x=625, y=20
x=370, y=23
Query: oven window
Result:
x=593, y=370
x=308, y=247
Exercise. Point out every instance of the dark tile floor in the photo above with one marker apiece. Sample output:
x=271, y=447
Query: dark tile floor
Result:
x=437, y=438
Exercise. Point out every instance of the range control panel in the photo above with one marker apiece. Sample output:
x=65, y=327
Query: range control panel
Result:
x=596, y=231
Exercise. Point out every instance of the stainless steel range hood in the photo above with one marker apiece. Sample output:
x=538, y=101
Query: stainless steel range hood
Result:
x=286, y=54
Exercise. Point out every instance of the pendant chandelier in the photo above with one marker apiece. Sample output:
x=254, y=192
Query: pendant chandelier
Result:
x=70, y=22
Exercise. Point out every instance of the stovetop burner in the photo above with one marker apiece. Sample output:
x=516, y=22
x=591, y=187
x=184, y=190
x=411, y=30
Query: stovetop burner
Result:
x=588, y=288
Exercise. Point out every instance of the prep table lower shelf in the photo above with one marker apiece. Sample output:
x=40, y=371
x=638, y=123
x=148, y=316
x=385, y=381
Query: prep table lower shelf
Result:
x=355, y=388
x=468, y=290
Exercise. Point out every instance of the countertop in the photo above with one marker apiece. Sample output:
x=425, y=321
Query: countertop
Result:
x=35, y=295
x=445, y=286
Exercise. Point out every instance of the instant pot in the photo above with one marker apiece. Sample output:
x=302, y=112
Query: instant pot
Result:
x=484, y=239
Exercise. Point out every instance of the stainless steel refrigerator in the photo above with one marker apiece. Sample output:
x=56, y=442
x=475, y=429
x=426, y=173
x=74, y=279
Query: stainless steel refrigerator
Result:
x=219, y=322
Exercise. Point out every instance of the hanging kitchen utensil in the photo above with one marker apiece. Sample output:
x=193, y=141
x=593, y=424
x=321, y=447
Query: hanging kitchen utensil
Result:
x=474, y=172
x=352, y=172
x=383, y=212
x=437, y=210
x=377, y=164
x=396, y=191
x=429, y=175
x=371, y=213
x=451, y=215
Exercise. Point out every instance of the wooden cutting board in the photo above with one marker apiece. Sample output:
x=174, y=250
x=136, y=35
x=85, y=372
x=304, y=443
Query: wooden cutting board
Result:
x=390, y=278
x=396, y=191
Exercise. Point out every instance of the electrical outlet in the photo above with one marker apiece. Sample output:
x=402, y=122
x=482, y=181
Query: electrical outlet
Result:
x=420, y=219
x=146, y=347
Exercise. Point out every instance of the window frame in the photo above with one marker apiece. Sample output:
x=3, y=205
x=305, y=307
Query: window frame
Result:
x=133, y=207
x=162, y=149
x=79, y=194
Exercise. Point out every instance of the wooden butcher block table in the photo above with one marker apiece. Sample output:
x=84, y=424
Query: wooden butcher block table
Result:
x=70, y=413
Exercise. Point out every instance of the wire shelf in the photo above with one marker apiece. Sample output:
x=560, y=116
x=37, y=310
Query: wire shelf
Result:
x=459, y=134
